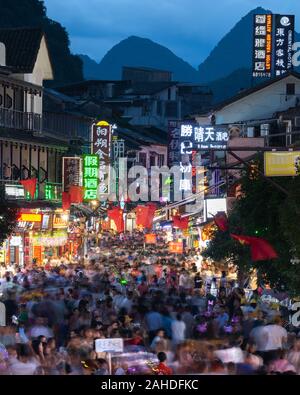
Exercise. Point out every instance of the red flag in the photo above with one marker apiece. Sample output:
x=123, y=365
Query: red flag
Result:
x=181, y=223
x=152, y=207
x=145, y=215
x=221, y=221
x=76, y=194
x=66, y=201
x=261, y=249
x=142, y=216
x=116, y=214
x=30, y=186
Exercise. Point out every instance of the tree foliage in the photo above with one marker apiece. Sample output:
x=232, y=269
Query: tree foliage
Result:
x=264, y=211
x=8, y=220
x=32, y=13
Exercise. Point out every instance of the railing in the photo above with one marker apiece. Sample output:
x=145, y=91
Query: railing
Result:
x=66, y=125
x=12, y=190
x=20, y=120
x=63, y=125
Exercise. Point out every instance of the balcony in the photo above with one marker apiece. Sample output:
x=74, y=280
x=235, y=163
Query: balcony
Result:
x=13, y=191
x=14, y=119
x=66, y=126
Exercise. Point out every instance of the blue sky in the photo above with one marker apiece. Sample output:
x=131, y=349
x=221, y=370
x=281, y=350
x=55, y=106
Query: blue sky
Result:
x=190, y=28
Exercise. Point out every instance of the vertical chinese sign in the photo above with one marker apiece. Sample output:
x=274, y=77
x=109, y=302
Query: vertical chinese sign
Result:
x=284, y=39
x=90, y=176
x=194, y=139
x=101, y=140
x=173, y=143
x=71, y=172
x=262, y=46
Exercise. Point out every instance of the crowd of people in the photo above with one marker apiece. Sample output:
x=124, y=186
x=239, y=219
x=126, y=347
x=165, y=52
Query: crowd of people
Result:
x=173, y=316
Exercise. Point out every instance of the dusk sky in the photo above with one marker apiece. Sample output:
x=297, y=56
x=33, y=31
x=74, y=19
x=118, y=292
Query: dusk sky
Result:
x=190, y=28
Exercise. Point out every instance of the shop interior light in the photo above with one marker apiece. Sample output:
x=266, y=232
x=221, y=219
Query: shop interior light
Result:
x=65, y=217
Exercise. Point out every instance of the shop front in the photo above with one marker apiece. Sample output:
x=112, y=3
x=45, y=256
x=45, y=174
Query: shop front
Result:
x=39, y=234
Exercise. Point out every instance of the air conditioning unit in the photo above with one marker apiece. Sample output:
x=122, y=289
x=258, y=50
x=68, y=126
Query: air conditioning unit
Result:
x=250, y=131
x=264, y=129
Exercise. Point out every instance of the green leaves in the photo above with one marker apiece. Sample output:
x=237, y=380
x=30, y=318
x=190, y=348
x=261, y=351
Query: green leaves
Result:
x=267, y=212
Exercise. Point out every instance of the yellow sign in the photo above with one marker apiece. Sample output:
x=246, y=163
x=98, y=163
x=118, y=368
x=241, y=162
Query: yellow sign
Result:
x=24, y=217
x=102, y=123
x=282, y=164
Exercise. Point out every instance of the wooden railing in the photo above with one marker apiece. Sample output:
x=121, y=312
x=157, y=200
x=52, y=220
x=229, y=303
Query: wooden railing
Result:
x=14, y=119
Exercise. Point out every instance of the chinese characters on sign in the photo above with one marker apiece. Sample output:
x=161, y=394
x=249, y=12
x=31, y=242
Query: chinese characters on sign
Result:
x=101, y=147
x=173, y=144
x=109, y=345
x=71, y=172
x=284, y=39
x=90, y=176
x=196, y=137
x=262, y=49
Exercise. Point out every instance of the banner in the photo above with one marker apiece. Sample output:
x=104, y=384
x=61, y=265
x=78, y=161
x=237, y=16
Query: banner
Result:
x=284, y=39
x=282, y=164
x=262, y=45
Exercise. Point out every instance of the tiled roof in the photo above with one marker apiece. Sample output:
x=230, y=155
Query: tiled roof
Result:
x=30, y=138
x=148, y=88
x=254, y=89
x=143, y=68
x=22, y=46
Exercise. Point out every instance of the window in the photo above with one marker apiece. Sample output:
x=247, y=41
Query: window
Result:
x=152, y=160
x=171, y=109
x=159, y=107
x=143, y=159
x=161, y=160
x=290, y=89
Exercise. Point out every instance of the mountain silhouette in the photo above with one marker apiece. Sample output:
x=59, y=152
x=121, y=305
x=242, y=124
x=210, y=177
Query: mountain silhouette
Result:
x=233, y=52
x=137, y=51
x=226, y=70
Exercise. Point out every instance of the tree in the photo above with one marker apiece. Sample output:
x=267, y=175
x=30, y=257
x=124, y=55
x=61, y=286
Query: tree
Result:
x=8, y=220
x=264, y=211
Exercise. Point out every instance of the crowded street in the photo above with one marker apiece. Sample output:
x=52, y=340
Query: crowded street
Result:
x=173, y=315
x=149, y=193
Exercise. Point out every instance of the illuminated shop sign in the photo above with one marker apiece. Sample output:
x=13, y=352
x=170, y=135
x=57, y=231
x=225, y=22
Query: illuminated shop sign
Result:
x=101, y=141
x=28, y=217
x=202, y=137
x=14, y=192
x=90, y=176
x=71, y=172
x=284, y=39
x=262, y=48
